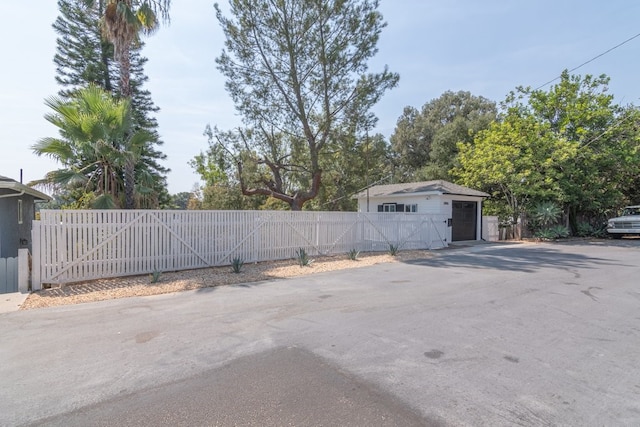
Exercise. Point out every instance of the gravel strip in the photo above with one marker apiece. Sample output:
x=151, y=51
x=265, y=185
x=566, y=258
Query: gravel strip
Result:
x=123, y=287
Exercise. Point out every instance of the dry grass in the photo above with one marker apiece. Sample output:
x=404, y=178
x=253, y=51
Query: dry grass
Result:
x=123, y=287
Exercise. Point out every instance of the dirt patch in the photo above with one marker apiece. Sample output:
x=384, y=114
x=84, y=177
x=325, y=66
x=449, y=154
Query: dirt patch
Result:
x=123, y=287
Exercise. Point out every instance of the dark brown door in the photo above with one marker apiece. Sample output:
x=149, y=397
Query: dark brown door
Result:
x=464, y=220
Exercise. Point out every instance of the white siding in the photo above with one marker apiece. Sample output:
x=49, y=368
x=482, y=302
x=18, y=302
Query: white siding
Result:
x=426, y=204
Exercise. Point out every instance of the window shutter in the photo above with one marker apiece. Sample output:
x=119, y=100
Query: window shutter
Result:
x=379, y=208
x=399, y=207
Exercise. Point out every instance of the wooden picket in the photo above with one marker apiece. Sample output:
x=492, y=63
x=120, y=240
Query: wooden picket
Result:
x=71, y=246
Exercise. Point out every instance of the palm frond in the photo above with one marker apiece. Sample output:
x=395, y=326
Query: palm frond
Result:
x=55, y=148
x=104, y=201
x=147, y=18
x=66, y=178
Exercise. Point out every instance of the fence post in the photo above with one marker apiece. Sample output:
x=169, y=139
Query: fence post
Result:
x=23, y=270
x=490, y=230
x=36, y=246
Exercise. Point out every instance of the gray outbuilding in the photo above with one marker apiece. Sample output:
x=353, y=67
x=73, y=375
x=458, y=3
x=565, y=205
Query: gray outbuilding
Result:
x=17, y=212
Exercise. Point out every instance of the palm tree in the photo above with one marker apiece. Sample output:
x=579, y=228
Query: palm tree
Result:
x=130, y=152
x=98, y=147
x=122, y=23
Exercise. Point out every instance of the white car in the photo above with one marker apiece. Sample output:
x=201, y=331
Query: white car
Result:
x=628, y=223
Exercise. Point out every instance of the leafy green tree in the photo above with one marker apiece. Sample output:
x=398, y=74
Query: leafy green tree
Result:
x=221, y=190
x=579, y=110
x=350, y=165
x=411, y=142
x=571, y=145
x=513, y=161
x=426, y=141
x=215, y=165
x=180, y=200
x=97, y=148
x=297, y=72
x=229, y=197
x=625, y=153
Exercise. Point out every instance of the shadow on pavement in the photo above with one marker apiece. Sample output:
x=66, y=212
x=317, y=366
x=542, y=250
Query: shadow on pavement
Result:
x=527, y=258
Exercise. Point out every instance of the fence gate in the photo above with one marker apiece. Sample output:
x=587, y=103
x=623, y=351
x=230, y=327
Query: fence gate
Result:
x=8, y=275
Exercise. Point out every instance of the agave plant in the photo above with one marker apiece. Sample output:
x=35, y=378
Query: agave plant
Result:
x=546, y=213
x=303, y=257
x=155, y=276
x=236, y=264
x=559, y=231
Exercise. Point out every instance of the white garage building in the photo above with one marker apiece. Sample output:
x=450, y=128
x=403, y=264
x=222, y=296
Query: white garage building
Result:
x=461, y=205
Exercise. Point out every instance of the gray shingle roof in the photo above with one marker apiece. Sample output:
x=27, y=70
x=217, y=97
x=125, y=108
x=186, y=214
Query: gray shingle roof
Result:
x=427, y=187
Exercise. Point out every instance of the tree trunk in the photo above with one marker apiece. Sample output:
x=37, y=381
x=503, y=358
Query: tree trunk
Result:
x=129, y=185
x=104, y=56
x=295, y=201
x=296, y=204
x=125, y=91
x=125, y=72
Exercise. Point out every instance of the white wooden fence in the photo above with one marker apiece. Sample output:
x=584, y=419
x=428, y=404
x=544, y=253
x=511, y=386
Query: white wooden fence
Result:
x=71, y=246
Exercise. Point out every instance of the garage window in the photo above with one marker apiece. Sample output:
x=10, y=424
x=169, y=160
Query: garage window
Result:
x=389, y=207
x=397, y=207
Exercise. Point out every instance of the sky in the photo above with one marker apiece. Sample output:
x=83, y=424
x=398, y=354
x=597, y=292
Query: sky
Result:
x=485, y=47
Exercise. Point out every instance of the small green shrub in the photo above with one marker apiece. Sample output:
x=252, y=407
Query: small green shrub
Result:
x=552, y=233
x=587, y=230
x=303, y=257
x=236, y=264
x=393, y=249
x=545, y=234
x=560, y=231
x=353, y=254
x=584, y=229
x=155, y=276
x=600, y=231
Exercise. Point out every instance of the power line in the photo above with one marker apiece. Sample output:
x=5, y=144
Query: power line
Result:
x=591, y=60
x=619, y=120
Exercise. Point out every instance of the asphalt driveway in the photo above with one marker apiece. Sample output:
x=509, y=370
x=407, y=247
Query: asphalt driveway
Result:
x=499, y=334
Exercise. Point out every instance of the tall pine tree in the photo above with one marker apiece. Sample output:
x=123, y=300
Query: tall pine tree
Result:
x=83, y=56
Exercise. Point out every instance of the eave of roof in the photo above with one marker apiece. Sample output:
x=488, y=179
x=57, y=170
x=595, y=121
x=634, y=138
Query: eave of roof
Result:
x=13, y=185
x=437, y=187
